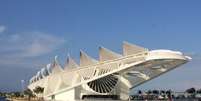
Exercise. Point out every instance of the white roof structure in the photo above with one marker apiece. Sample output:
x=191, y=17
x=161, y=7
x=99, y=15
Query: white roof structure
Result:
x=113, y=74
x=44, y=72
x=70, y=64
x=106, y=54
x=86, y=60
x=56, y=68
x=130, y=49
x=48, y=68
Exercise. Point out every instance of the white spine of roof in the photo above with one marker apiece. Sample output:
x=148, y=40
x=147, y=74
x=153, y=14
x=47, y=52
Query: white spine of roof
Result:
x=31, y=80
x=56, y=68
x=86, y=60
x=70, y=64
x=48, y=67
x=129, y=49
x=34, y=78
x=43, y=72
x=106, y=54
x=38, y=75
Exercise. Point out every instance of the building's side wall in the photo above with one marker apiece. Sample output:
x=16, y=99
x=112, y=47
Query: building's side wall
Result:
x=66, y=96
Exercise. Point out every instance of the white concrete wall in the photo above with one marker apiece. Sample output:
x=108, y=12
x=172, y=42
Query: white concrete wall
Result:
x=66, y=96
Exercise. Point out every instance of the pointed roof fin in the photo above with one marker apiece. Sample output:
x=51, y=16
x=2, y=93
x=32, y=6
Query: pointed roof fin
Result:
x=43, y=72
x=70, y=63
x=106, y=54
x=39, y=76
x=49, y=69
x=56, y=68
x=86, y=60
x=129, y=49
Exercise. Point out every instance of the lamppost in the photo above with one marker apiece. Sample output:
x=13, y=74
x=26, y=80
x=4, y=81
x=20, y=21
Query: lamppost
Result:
x=22, y=85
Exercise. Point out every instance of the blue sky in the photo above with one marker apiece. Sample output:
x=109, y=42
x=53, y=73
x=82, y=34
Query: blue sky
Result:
x=33, y=32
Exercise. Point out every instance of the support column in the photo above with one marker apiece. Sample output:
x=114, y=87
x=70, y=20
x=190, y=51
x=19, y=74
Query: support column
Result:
x=123, y=88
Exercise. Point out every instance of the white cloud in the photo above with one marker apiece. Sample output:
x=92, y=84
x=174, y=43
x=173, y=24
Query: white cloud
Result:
x=2, y=29
x=43, y=44
x=16, y=47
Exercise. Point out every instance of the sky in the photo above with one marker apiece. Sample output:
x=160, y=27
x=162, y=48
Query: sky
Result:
x=33, y=32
